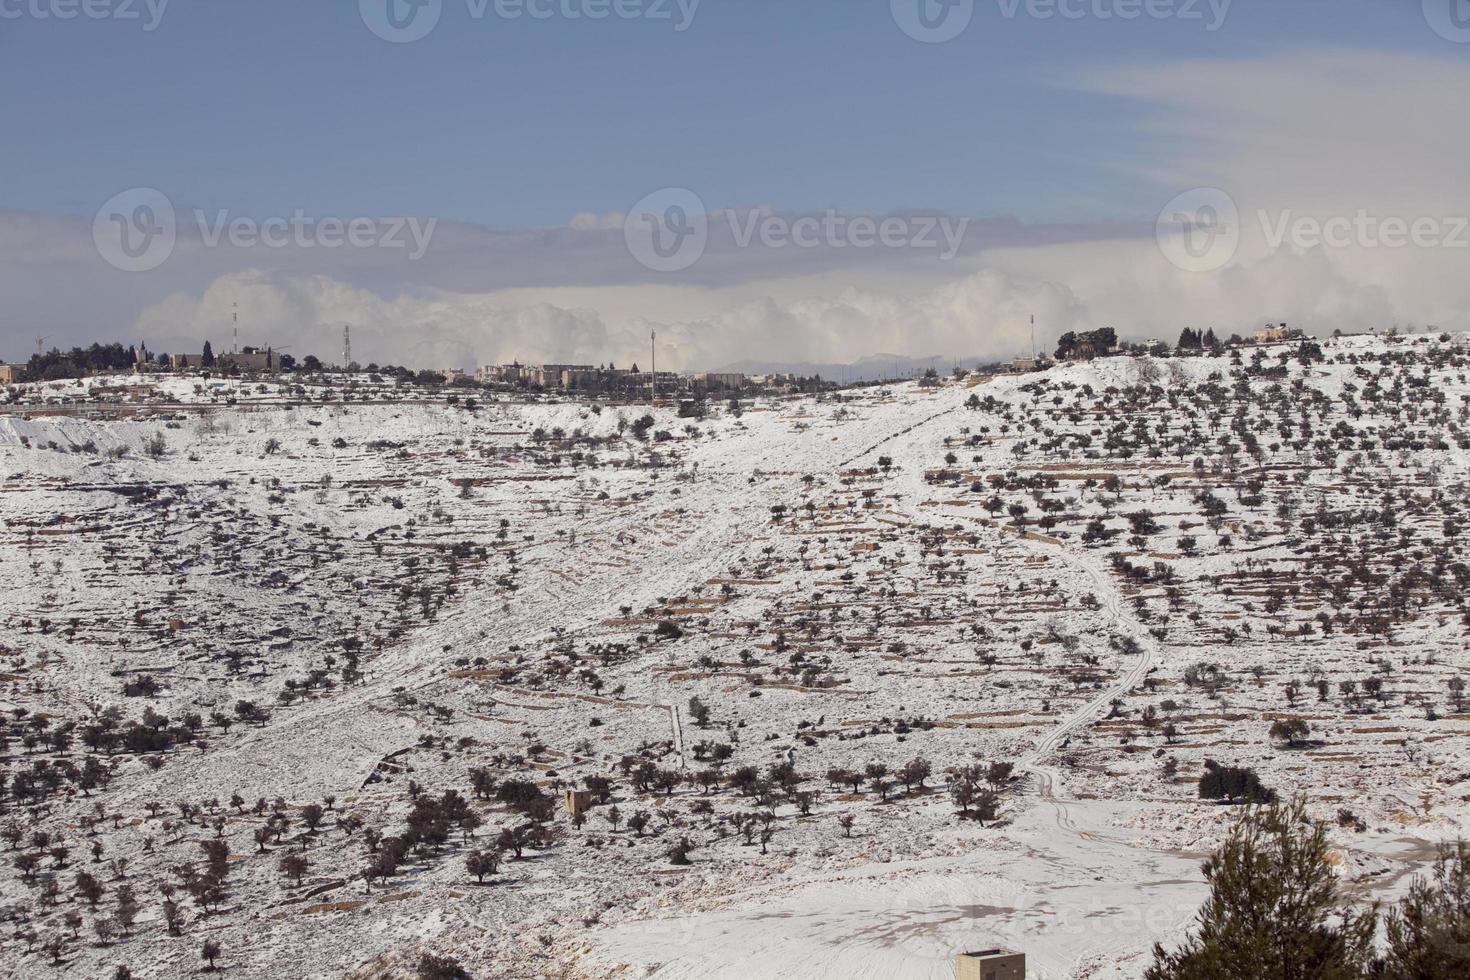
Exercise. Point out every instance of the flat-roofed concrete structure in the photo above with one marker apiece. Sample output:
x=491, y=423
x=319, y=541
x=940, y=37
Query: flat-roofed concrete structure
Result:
x=990, y=964
x=249, y=359
x=578, y=801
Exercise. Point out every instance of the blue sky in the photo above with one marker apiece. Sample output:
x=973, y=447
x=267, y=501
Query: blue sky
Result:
x=1059, y=138
x=268, y=105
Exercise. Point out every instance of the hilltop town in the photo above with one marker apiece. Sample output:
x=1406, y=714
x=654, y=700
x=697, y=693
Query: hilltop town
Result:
x=570, y=670
x=602, y=381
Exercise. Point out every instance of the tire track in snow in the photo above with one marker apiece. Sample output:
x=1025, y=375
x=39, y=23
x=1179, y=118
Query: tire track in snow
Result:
x=1046, y=777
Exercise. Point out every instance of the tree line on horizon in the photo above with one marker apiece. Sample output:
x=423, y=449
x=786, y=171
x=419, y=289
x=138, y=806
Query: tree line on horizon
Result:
x=81, y=362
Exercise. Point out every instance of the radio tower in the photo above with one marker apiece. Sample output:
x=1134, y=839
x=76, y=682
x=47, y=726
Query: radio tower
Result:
x=235, y=322
x=346, y=346
x=1033, y=336
x=653, y=367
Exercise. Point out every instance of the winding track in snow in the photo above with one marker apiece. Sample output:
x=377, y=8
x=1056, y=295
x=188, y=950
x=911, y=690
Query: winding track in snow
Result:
x=1048, y=777
x=1045, y=776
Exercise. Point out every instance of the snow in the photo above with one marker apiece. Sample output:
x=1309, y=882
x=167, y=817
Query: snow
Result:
x=505, y=589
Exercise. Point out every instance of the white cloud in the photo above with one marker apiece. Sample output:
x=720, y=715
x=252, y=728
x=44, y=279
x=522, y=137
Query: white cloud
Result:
x=1311, y=129
x=589, y=221
x=1320, y=133
x=984, y=312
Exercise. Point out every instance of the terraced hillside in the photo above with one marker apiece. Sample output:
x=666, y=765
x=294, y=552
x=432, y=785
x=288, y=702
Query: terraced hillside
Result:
x=852, y=681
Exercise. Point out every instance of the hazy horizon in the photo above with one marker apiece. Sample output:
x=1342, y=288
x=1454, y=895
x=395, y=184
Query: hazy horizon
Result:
x=848, y=180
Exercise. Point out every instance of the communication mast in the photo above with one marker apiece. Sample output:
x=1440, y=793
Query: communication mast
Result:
x=653, y=367
x=347, y=346
x=235, y=324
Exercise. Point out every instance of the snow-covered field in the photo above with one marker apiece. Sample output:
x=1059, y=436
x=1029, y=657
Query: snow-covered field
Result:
x=345, y=600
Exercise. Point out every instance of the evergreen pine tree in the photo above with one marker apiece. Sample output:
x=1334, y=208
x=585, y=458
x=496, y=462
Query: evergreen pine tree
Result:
x=1428, y=933
x=1274, y=912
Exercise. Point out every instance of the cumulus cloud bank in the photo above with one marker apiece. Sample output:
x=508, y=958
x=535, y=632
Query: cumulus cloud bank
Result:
x=1298, y=133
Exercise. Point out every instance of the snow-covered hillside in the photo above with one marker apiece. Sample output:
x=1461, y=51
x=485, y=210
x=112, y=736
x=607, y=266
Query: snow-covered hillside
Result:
x=856, y=681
